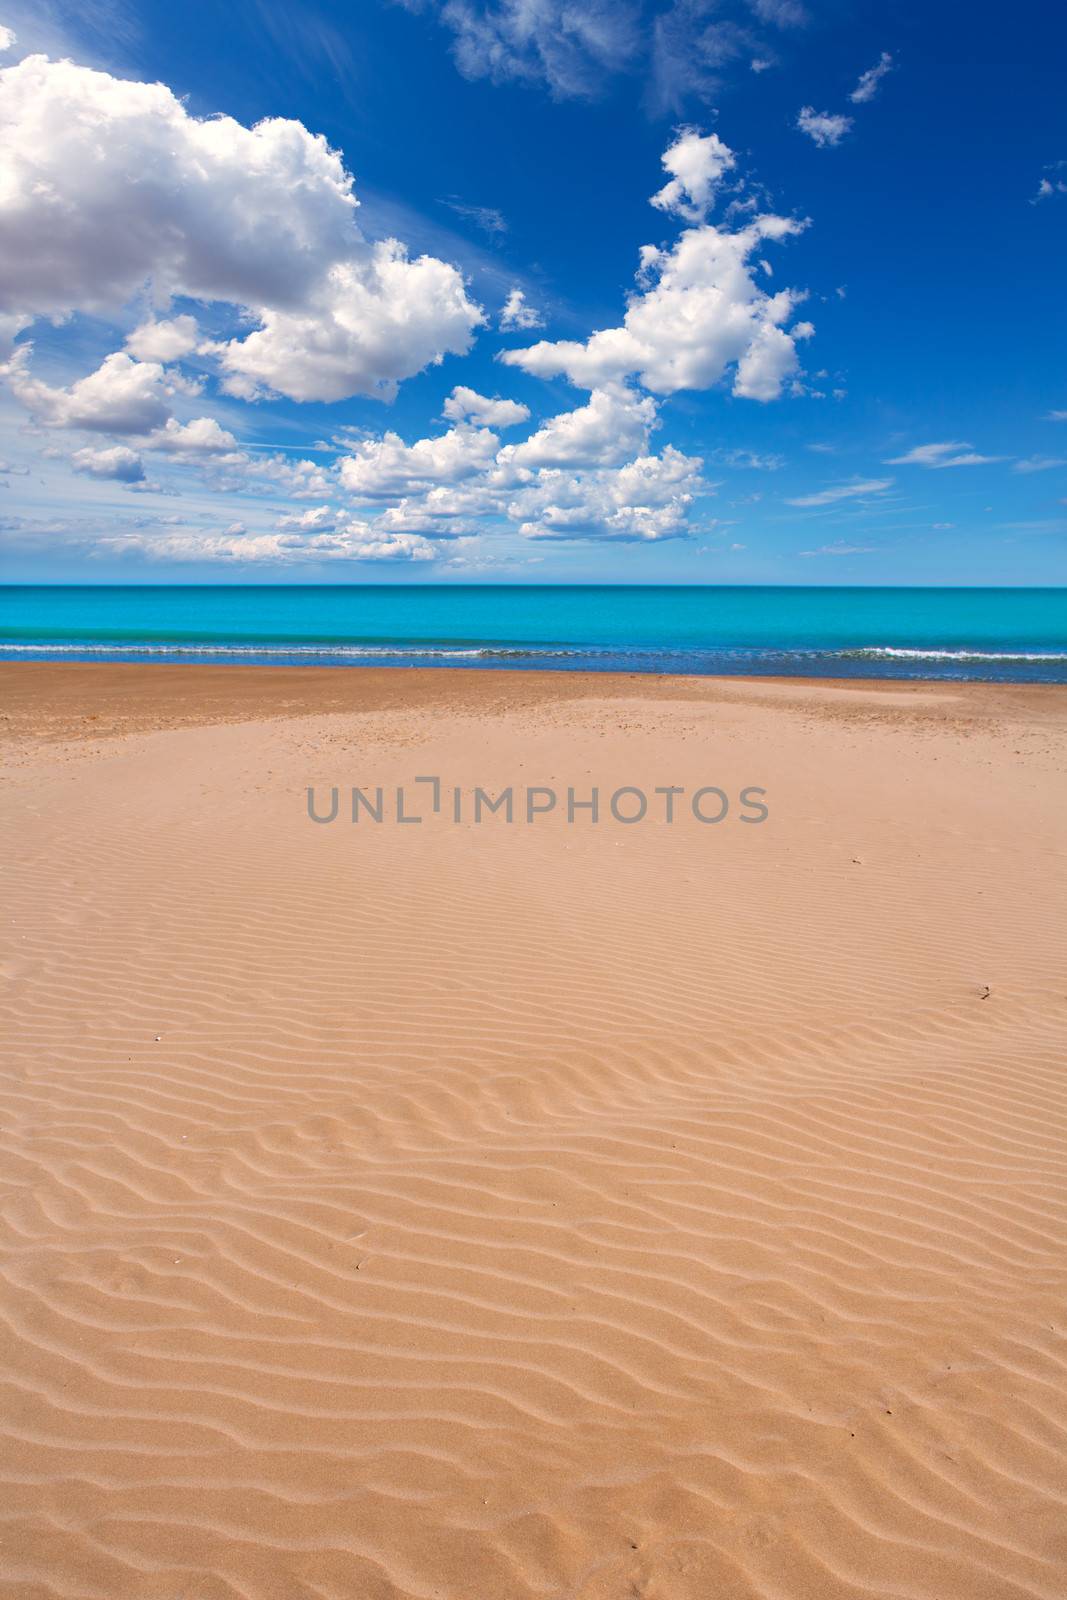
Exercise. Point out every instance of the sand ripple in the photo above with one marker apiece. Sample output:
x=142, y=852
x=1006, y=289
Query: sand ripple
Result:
x=486, y=1216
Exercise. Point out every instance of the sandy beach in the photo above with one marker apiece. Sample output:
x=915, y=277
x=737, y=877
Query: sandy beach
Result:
x=552, y=1209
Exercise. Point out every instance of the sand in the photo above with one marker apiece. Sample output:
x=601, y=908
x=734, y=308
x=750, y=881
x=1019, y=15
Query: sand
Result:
x=534, y=1210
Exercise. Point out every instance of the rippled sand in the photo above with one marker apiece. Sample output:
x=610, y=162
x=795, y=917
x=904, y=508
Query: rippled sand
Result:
x=522, y=1212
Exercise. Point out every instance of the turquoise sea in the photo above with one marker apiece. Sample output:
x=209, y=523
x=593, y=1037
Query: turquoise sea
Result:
x=1017, y=635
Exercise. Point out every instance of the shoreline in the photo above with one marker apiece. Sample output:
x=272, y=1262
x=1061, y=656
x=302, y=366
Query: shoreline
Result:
x=93, y=699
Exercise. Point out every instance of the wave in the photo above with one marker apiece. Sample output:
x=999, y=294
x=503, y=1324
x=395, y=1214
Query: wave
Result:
x=676, y=657
x=121, y=647
x=887, y=652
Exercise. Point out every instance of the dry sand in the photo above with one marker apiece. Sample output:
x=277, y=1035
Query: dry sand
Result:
x=533, y=1211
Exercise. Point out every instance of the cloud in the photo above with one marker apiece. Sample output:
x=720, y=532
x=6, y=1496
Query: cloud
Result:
x=437, y=512
x=7, y=38
x=274, y=474
x=110, y=183
x=613, y=426
x=11, y=325
x=574, y=48
x=1056, y=416
x=693, y=42
x=517, y=314
x=584, y=474
x=365, y=328
x=466, y=405
x=953, y=453
x=568, y=46
x=1048, y=187
x=697, y=164
x=119, y=463
x=317, y=519
x=488, y=218
x=867, y=87
x=356, y=543
x=262, y=218
x=121, y=396
x=826, y=128
x=345, y=316
x=645, y=499
x=771, y=357
x=840, y=550
x=164, y=341
x=352, y=541
x=691, y=45
x=782, y=13
x=699, y=313
x=750, y=460
x=842, y=491
x=387, y=468
x=1039, y=463
x=201, y=437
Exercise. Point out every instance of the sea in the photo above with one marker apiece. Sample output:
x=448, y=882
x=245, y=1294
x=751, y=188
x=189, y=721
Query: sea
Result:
x=1015, y=635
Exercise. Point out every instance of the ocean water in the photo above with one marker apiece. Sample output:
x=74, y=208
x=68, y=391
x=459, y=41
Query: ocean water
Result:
x=1013, y=635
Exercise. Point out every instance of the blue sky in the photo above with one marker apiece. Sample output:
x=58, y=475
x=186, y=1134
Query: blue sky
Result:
x=843, y=361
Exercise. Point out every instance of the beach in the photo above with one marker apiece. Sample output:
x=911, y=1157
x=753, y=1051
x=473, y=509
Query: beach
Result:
x=443, y=1207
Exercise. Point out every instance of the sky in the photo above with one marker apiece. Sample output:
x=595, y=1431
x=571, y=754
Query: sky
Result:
x=575, y=291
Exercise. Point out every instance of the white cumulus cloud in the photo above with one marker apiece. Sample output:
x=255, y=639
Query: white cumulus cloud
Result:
x=517, y=314
x=163, y=340
x=364, y=328
x=645, y=499
x=316, y=519
x=387, y=468
x=466, y=405
x=700, y=313
x=697, y=164
x=121, y=396
x=108, y=184
x=201, y=437
x=612, y=427
x=119, y=462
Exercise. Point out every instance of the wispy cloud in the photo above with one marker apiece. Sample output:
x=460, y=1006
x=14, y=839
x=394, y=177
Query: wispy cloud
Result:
x=842, y=491
x=1048, y=187
x=576, y=48
x=840, y=550
x=867, y=87
x=750, y=460
x=951, y=453
x=487, y=218
x=1039, y=463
